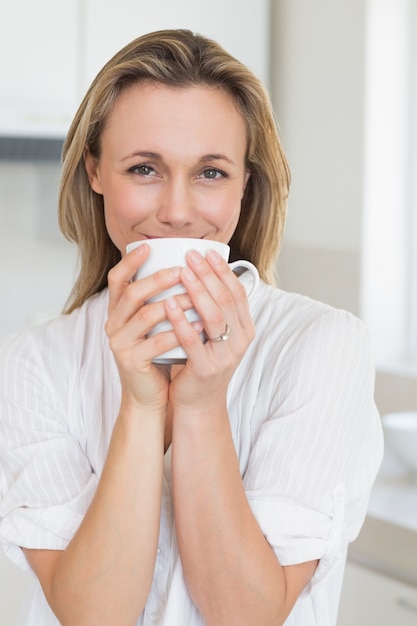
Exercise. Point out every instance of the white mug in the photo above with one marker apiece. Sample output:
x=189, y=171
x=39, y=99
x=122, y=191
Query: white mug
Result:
x=171, y=252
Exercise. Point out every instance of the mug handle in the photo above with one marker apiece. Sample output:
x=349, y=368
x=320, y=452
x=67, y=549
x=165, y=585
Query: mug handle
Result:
x=247, y=274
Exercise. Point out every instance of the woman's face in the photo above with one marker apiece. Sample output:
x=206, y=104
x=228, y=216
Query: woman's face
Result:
x=172, y=164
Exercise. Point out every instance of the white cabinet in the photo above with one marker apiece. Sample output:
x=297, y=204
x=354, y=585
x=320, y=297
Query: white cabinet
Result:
x=371, y=599
x=38, y=49
x=50, y=51
x=38, y=66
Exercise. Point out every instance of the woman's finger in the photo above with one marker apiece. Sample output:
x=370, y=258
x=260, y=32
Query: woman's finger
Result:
x=141, y=323
x=121, y=274
x=218, y=296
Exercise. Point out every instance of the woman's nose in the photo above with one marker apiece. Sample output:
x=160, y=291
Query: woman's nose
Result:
x=176, y=205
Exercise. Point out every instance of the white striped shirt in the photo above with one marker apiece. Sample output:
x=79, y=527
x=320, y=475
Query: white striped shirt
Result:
x=303, y=419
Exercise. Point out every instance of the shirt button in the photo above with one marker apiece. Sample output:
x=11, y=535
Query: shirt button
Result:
x=153, y=617
x=158, y=552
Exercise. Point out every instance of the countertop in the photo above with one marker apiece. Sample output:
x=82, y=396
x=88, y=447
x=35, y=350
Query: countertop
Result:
x=388, y=540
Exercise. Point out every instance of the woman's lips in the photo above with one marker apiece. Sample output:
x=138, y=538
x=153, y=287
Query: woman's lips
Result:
x=174, y=237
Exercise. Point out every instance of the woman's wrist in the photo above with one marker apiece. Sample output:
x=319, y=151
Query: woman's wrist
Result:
x=133, y=410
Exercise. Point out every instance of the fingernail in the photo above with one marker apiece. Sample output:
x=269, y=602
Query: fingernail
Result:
x=171, y=304
x=175, y=272
x=195, y=256
x=189, y=274
x=214, y=256
x=140, y=249
x=198, y=327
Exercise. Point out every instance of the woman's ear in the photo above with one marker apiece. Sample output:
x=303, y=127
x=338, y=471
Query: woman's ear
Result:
x=93, y=173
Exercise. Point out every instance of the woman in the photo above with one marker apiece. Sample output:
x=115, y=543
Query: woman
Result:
x=222, y=491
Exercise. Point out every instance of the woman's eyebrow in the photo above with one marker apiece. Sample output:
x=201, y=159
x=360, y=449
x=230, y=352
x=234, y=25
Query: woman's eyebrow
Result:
x=155, y=156
x=217, y=157
x=143, y=153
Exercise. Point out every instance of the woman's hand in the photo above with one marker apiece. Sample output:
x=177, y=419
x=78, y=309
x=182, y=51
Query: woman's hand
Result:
x=222, y=303
x=129, y=321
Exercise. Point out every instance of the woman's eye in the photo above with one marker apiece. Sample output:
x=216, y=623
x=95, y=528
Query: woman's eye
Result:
x=143, y=170
x=213, y=173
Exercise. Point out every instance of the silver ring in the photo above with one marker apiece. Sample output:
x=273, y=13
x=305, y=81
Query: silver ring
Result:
x=224, y=336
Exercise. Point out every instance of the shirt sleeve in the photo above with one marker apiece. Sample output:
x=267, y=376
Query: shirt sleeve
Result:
x=315, y=457
x=46, y=480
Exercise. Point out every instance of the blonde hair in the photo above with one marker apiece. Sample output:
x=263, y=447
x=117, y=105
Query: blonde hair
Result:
x=176, y=58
